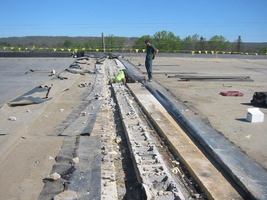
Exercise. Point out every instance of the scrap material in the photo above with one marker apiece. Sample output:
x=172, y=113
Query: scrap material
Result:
x=232, y=93
x=259, y=99
x=210, y=78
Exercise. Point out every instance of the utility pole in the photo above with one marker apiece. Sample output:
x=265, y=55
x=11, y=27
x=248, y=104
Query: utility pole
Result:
x=103, y=43
x=202, y=43
x=238, y=45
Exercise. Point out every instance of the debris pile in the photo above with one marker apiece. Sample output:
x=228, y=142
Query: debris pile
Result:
x=259, y=99
x=154, y=175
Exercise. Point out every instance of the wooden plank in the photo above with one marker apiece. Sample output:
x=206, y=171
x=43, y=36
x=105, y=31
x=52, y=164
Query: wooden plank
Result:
x=208, y=177
x=208, y=77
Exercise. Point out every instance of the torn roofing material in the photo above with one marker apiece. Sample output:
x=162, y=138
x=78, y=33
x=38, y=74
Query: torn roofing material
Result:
x=35, y=96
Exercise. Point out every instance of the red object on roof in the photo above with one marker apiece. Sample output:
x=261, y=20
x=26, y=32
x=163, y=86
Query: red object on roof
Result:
x=232, y=93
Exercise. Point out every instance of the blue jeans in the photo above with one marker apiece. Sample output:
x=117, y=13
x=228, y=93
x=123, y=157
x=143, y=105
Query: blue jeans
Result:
x=148, y=64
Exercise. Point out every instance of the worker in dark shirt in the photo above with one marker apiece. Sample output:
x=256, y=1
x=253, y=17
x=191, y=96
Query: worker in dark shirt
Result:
x=150, y=55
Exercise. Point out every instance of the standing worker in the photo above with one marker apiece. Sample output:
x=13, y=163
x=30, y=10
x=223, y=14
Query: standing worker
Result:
x=150, y=55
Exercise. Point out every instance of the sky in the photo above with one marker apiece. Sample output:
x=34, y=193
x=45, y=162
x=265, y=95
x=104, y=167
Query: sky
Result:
x=206, y=18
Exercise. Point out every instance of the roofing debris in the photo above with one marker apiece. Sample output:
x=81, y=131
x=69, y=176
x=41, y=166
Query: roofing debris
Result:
x=232, y=93
x=12, y=118
x=83, y=85
x=75, y=66
x=83, y=58
x=32, y=97
x=79, y=71
x=50, y=72
x=60, y=77
x=259, y=99
x=210, y=78
x=66, y=195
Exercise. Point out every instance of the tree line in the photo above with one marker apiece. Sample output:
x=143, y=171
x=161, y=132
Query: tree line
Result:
x=111, y=42
x=168, y=42
x=165, y=41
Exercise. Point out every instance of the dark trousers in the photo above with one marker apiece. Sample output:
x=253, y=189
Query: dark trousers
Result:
x=148, y=64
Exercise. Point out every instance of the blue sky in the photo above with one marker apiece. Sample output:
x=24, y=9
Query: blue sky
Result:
x=229, y=18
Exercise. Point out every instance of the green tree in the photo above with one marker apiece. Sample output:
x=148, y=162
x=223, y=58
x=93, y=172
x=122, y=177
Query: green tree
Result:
x=67, y=44
x=167, y=41
x=113, y=42
x=191, y=42
x=94, y=43
x=263, y=50
x=218, y=43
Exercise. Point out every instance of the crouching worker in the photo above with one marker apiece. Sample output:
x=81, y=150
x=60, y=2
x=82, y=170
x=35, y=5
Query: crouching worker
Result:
x=120, y=77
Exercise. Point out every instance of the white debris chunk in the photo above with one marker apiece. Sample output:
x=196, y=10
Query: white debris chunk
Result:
x=66, y=195
x=51, y=158
x=12, y=118
x=248, y=136
x=175, y=170
x=118, y=140
x=55, y=176
x=53, y=72
x=76, y=160
x=254, y=115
